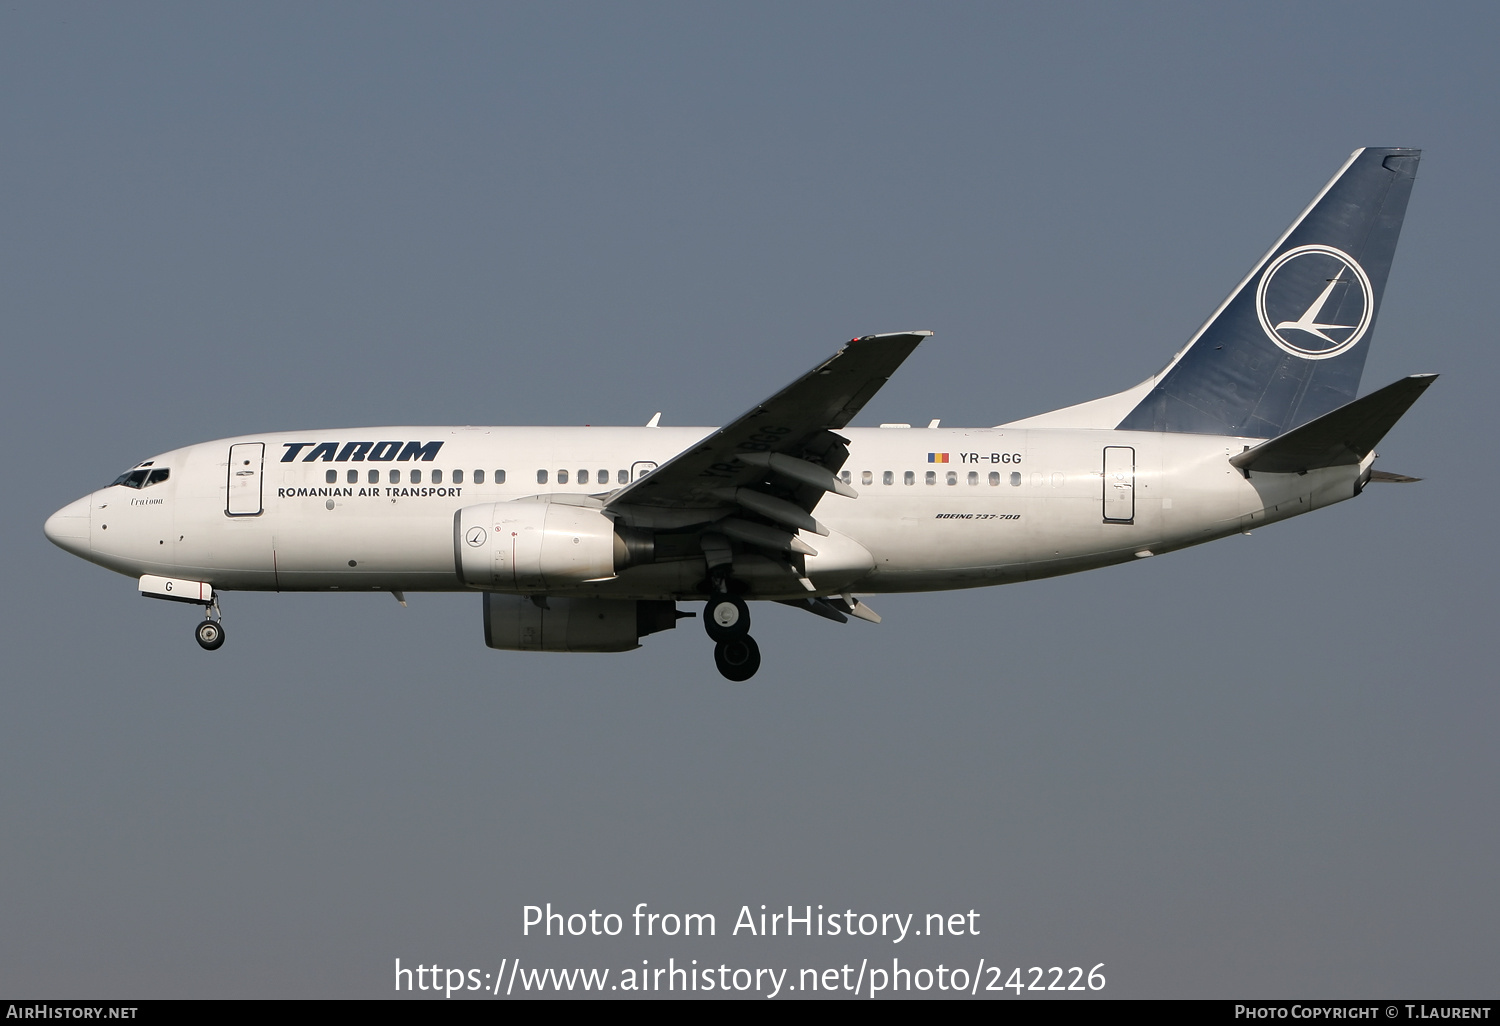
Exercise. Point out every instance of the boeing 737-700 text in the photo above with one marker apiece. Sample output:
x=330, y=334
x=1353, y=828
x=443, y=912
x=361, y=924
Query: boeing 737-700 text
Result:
x=586, y=539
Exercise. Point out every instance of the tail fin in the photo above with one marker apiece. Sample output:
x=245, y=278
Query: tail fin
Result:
x=1289, y=343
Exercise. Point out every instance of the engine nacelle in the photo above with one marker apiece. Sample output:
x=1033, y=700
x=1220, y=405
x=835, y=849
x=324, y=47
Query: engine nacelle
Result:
x=535, y=546
x=518, y=623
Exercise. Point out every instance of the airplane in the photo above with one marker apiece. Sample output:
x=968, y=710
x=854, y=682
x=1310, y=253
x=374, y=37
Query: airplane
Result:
x=586, y=539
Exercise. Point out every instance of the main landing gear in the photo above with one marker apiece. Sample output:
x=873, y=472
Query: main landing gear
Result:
x=737, y=659
x=726, y=618
x=210, y=633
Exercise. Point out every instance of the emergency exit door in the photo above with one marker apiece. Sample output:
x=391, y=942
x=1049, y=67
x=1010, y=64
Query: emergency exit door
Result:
x=245, y=474
x=1119, y=484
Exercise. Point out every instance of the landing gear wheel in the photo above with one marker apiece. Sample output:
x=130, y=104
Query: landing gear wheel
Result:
x=737, y=659
x=210, y=634
x=726, y=618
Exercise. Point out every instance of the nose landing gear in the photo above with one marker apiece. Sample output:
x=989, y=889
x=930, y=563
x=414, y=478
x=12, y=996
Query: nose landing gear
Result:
x=210, y=633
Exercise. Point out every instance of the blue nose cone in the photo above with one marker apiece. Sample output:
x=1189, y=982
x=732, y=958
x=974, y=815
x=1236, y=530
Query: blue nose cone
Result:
x=68, y=528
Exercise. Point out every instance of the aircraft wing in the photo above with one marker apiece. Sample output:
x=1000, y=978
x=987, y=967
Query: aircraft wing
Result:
x=782, y=452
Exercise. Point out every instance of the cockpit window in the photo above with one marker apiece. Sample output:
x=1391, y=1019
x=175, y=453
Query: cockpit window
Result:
x=141, y=478
x=132, y=479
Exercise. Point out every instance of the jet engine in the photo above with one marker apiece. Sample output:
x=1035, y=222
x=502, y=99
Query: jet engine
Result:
x=533, y=546
x=520, y=623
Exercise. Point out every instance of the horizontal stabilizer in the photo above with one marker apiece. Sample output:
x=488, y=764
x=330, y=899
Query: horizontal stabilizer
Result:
x=1341, y=438
x=1386, y=477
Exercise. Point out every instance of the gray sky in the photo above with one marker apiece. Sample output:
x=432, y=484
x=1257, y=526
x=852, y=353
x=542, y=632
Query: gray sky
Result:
x=1264, y=767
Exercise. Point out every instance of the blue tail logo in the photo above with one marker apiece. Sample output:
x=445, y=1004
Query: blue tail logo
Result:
x=1345, y=295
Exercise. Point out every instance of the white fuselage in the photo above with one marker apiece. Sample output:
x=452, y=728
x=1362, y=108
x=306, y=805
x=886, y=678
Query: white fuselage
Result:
x=1010, y=504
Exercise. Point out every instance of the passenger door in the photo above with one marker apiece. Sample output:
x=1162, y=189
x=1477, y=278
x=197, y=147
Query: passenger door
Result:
x=245, y=472
x=1119, y=484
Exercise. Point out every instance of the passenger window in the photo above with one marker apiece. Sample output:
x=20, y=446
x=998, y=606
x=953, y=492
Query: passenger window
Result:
x=437, y=477
x=583, y=477
x=541, y=477
x=1015, y=478
x=374, y=477
x=867, y=477
x=953, y=477
x=352, y=477
x=973, y=477
x=562, y=477
x=395, y=477
x=932, y=477
x=416, y=477
x=602, y=477
x=623, y=477
x=331, y=477
x=909, y=477
x=479, y=477
x=889, y=477
x=458, y=477
x=499, y=477
x=157, y=476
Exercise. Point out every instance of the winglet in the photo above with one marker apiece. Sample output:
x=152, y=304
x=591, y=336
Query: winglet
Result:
x=655, y=420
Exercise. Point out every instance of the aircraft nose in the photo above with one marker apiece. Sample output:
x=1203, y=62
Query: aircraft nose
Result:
x=68, y=528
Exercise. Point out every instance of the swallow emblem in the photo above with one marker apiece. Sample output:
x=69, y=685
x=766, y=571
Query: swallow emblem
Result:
x=1314, y=302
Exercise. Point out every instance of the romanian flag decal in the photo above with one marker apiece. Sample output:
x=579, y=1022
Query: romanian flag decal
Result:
x=937, y=457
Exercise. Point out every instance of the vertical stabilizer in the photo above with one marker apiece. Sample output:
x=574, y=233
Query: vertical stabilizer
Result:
x=1289, y=343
